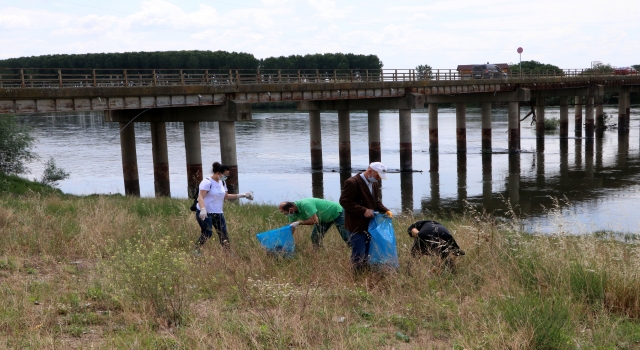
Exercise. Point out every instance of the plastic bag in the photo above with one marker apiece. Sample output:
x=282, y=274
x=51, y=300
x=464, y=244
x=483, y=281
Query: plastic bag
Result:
x=278, y=241
x=382, y=249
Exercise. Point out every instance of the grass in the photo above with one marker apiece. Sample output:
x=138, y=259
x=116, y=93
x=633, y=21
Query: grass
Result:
x=118, y=272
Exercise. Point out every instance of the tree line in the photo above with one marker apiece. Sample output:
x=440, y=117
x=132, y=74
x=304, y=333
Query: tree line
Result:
x=195, y=59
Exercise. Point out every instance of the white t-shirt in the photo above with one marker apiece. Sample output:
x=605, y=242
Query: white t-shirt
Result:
x=214, y=199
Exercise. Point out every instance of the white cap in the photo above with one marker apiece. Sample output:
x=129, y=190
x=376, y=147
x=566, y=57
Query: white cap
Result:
x=380, y=169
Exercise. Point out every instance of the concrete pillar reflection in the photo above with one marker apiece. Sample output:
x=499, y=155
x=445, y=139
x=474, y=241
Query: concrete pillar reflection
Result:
x=486, y=127
x=433, y=127
x=577, y=153
x=193, y=152
x=513, y=182
x=228, y=153
x=344, y=175
x=344, y=139
x=315, y=140
x=599, y=150
x=623, y=122
x=514, y=127
x=317, y=184
x=462, y=178
x=375, y=154
x=589, y=155
x=434, y=176
x=564, y=159
x=540, y=176
x=540, y=104
x=160, y=159
x=461, y=127
x=623, y=150
x=564, y=117
x=406, y=191
x=578, y=116
x=487, y=182
x=406, y=149
x=129, y=160
x=599, y=116
x=589, y=125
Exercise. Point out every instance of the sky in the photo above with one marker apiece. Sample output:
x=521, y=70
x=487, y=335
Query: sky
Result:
x=403, y=33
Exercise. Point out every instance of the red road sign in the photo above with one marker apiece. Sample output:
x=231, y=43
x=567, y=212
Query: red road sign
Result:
x=520, y=50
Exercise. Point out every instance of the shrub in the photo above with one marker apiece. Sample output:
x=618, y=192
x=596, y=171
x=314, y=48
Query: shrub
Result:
x=551, y=123
x=15, y=146
x=52, y=174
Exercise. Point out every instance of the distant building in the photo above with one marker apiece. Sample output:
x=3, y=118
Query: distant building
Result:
x=465, y=69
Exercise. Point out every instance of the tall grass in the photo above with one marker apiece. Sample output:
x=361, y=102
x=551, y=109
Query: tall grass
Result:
x=117, y=272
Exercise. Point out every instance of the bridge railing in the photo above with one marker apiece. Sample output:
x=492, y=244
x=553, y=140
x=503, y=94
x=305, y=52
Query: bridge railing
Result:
x=78, y=78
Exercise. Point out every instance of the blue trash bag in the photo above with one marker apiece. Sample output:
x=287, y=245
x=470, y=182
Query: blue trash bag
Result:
x=382, y=249
x=278, y=241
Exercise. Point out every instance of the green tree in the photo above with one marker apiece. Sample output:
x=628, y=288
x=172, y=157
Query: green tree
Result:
x=52, y=174
x=15, y=146
x=534, y=67
x=423, y=71
x=636, y=67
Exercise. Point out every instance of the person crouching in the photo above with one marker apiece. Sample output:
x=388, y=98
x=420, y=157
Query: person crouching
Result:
x=431, y=238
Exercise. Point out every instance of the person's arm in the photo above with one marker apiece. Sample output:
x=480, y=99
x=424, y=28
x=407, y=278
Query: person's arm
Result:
x=201, y=198
x=310, y=221
x=347, y=199
x=414, y=229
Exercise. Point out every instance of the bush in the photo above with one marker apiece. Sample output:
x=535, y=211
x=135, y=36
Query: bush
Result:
x=15, y=146
x=551, y=124
x=156, y=275
x=52, y=174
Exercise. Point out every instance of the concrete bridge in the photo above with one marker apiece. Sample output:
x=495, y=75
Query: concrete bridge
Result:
x=193, y=96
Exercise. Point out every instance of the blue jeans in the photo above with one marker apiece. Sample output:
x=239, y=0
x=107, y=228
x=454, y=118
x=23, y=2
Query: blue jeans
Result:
x=212, y=220
x=321, y=228
x=360, y=251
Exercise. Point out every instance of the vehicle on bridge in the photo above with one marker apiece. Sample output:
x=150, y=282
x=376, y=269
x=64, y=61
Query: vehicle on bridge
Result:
x=625, y=71
x=483, y=71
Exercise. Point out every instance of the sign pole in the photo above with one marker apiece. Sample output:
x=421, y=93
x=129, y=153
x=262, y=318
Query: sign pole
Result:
x=520, y=53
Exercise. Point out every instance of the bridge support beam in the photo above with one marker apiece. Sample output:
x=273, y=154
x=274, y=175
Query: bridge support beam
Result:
x=315, y=139
x=514, y=126
x=599, y=116
x=589, y=120
x=623, y=116
x=344, y=139
x=540, y=102
x=564, y=117
x=578, y=116
x=406, y=148
x=193, y=152
x=160, y=159
x=433, y=127
x=375, y=155
x=461, y=127
x=129, y=160
x=486, y=127
x=228, y=155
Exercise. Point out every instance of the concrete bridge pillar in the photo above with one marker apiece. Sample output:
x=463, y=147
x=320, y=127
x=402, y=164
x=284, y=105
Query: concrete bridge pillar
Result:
x=228, y=155
x=317, y=184
x=540, y=102
x=433, y=127
x=514, y=126
x=129, y=160
x=375, y=155
x=577, y=153
x=599, y=116
x=486, y=127
x=193, y=152
x=406, y=148
x=487, y=181
x=461, y=127
x=315, y=137
x=434, y=178
x=564, y=117
x=406, y=191
x=589, y=125
x=623, y=116
x=578, y=116
x=344, y=139
x=462, y=178
x=160, y=159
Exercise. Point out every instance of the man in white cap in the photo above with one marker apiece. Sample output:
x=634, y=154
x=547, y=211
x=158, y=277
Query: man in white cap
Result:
x=360, y=197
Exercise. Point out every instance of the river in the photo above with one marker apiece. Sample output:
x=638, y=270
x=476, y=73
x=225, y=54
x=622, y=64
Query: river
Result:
x=597, y=181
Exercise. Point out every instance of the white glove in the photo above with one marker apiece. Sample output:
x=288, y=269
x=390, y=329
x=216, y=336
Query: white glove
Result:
x=294, y=224
x=203, y=214
x=248, y=195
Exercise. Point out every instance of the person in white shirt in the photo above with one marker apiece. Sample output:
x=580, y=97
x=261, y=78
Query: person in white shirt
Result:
x=212, y=193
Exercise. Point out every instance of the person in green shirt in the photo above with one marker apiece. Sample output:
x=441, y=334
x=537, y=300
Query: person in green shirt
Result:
x=320, y=213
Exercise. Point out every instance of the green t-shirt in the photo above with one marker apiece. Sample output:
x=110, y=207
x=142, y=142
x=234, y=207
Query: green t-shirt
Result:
x=327, y=211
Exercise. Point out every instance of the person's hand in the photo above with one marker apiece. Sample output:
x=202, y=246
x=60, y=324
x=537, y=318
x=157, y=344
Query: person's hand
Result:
x=294, y=224
x=203, y=214
x=414, y=232
x=389, y=214
x=368, y=213
x=247, y=195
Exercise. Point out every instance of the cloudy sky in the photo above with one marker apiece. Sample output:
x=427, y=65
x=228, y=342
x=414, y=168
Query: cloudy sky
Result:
x=404, y=34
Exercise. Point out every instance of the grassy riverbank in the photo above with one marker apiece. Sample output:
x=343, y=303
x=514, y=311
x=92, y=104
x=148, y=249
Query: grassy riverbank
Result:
x=116, y=272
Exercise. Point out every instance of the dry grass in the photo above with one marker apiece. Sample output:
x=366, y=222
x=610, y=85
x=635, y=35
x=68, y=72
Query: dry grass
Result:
x=80, y=272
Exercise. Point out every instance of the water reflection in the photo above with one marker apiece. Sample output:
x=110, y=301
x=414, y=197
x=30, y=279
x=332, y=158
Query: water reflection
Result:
x=406, y=191
x=317, y=184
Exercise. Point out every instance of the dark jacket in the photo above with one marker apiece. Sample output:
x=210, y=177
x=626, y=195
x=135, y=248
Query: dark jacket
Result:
x=356, y=199
x=433, y=238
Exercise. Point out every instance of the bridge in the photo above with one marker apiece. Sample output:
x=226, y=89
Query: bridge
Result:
x=192, y=96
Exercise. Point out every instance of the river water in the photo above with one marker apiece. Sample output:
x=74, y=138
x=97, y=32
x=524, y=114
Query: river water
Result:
x=597, y=182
